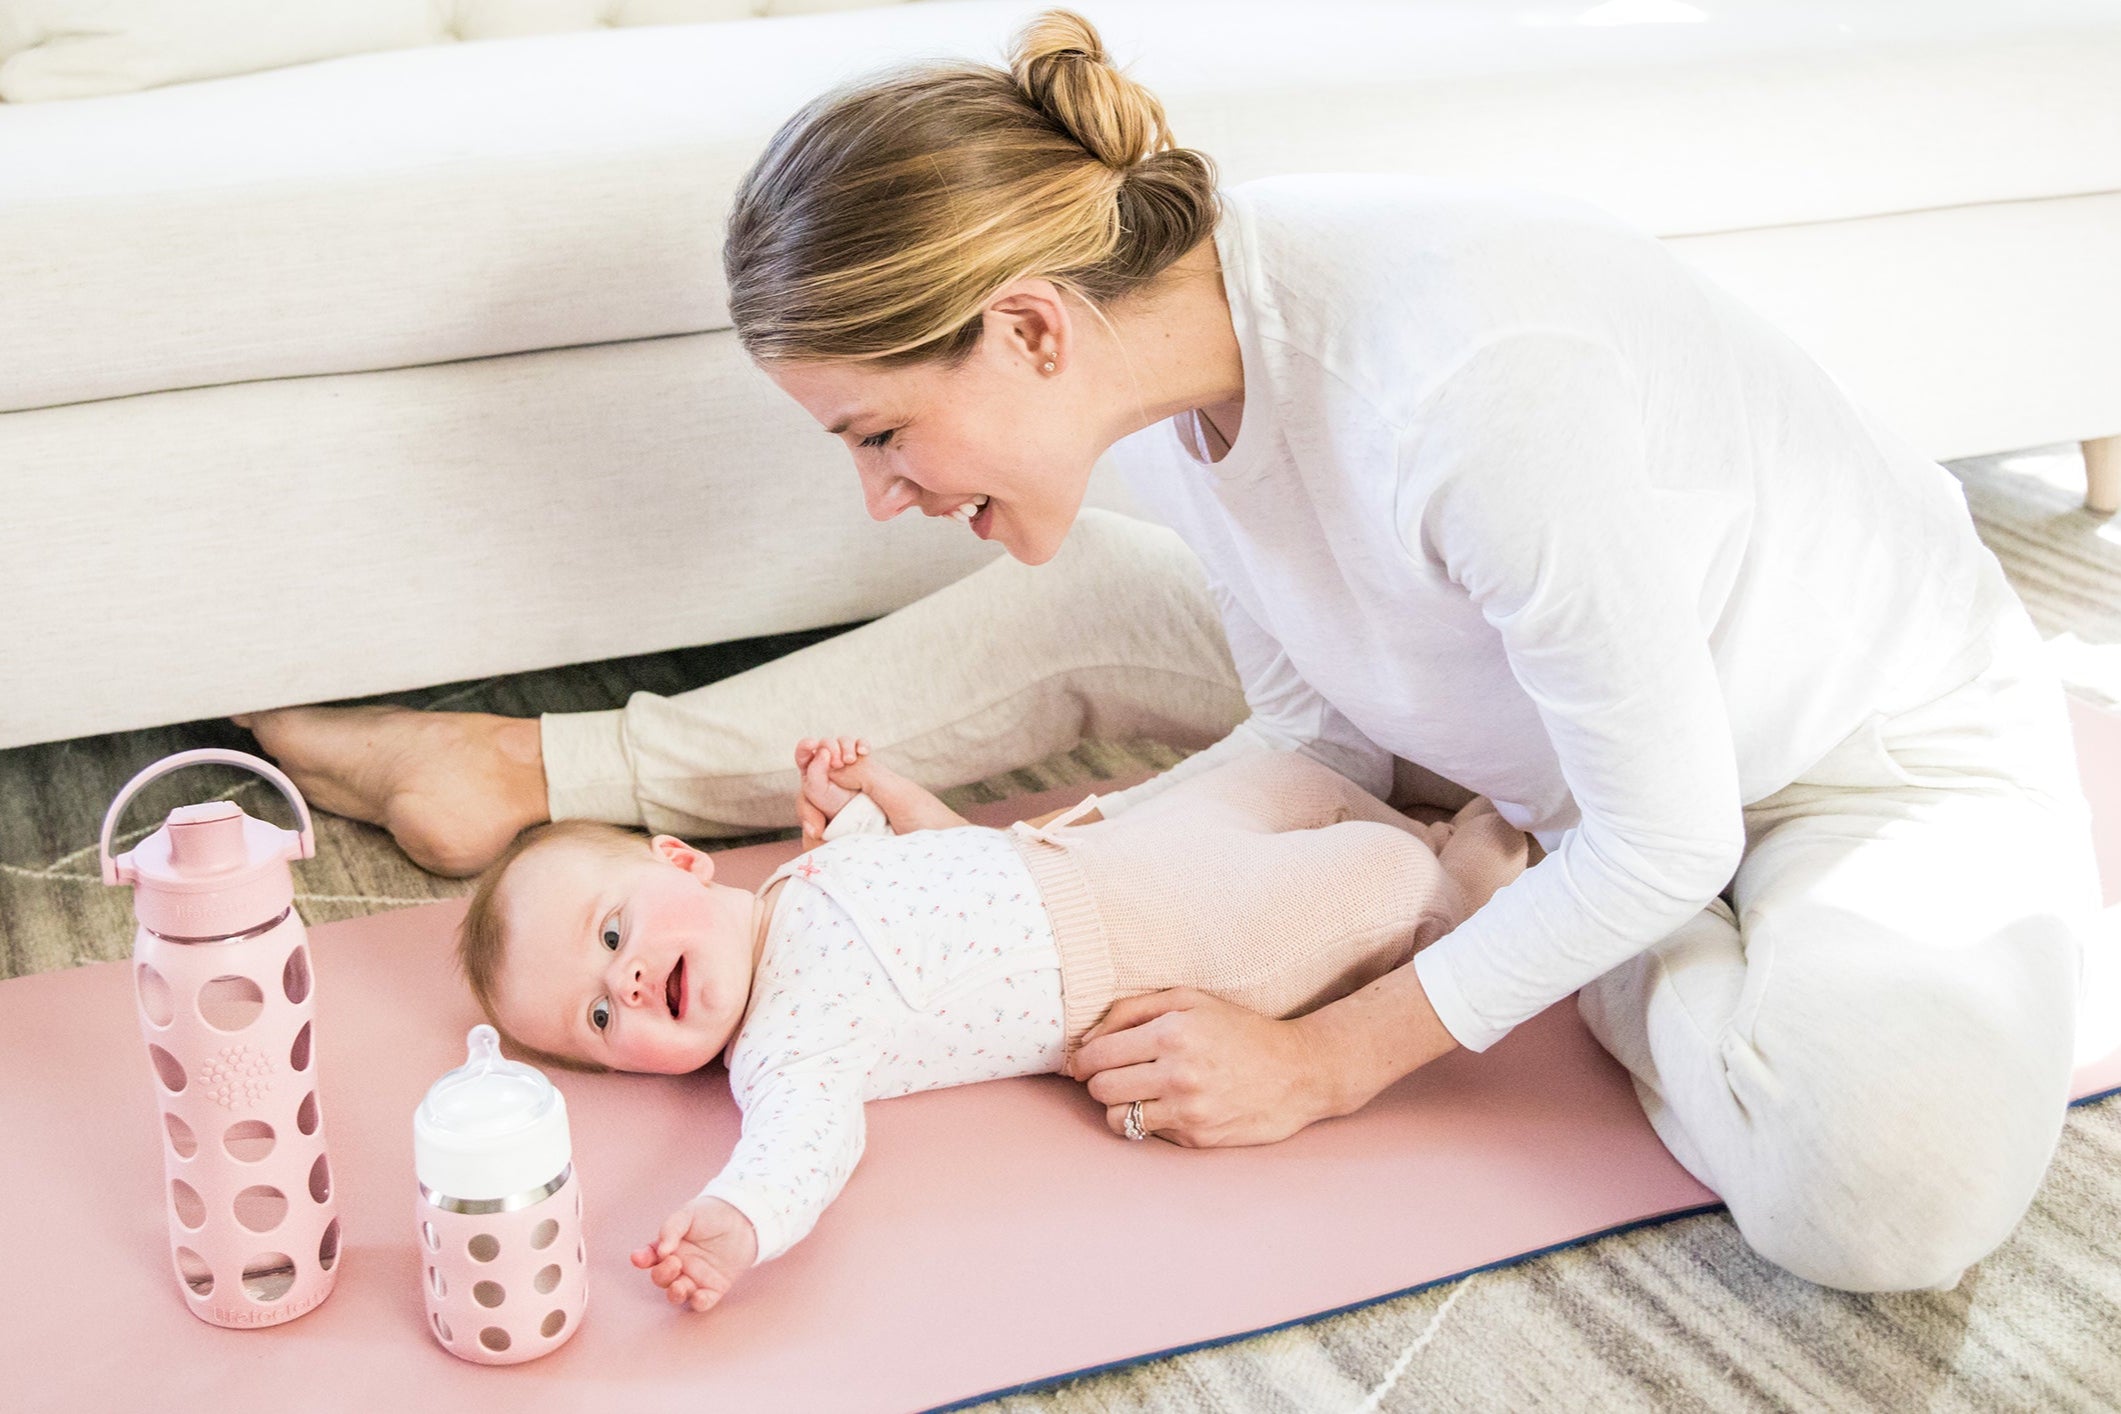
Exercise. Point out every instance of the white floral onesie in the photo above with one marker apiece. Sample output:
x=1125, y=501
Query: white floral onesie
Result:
x=893, y=964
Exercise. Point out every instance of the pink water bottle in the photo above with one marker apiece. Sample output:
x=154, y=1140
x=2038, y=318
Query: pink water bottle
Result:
x=221, y=972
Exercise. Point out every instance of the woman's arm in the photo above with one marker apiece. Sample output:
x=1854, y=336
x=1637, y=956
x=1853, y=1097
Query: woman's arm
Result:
x=1596, y=575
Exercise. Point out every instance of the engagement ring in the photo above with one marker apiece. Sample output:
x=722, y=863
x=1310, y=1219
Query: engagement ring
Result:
x=1134, y=1122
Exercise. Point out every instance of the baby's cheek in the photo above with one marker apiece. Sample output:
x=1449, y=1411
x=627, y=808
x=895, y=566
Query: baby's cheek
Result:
x=669, y=1055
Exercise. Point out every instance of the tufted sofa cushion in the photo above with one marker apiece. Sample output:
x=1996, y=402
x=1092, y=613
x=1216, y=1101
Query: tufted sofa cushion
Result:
x=86, y=48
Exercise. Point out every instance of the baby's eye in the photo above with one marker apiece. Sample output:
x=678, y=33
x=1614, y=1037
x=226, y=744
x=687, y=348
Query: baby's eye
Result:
x=611, y=936
x=600, y=1013
x=880, y=438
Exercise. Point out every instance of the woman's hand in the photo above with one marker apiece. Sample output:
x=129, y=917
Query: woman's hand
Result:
x=1210, y=1073
x=700, y=1252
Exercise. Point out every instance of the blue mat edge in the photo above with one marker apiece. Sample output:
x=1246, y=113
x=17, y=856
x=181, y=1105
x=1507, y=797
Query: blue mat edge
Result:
x=1053, y=1381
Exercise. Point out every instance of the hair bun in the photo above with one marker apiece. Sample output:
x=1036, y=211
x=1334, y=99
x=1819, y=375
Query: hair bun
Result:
x=1060, y=64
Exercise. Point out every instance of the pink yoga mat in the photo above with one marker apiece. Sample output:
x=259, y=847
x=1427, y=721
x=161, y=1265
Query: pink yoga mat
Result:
x=994, y=1236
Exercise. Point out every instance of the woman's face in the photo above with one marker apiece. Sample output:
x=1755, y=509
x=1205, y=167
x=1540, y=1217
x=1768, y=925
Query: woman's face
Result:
x=998, y=426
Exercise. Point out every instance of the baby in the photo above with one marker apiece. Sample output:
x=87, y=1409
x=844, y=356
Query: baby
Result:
x=906, y=949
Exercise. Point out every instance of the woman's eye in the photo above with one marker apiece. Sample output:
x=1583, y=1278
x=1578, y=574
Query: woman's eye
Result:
x=879, y=439
x=611, y=936
x=600, y=1014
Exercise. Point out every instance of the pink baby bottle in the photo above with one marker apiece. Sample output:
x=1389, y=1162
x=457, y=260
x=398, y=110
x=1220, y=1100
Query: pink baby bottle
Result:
x=222, y=976
x=499, y=1209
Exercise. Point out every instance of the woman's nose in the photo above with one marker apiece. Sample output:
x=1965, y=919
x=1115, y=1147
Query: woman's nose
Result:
x=886, y=495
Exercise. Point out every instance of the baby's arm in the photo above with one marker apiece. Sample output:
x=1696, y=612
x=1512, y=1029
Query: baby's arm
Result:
x=835, y=770
x=803, y=1133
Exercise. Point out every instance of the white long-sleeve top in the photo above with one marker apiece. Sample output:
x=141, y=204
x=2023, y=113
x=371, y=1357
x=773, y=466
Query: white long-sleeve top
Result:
x=1519, y=496
x=893, y=963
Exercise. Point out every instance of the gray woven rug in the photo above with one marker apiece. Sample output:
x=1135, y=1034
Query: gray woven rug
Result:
x=1678, y=1315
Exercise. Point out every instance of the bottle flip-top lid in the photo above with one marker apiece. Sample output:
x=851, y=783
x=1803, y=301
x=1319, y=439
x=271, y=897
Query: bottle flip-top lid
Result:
x=491, y=1129
x=211, y=871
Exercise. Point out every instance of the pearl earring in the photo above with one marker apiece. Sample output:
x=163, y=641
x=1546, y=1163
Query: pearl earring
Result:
x=1049, y=365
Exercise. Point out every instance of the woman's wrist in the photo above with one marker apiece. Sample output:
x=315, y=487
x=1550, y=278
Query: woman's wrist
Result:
x=1362, y=1043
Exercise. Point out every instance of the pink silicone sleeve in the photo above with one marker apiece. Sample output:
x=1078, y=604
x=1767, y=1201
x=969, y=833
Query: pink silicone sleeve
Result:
x=502, y=1288
x=255, y=1235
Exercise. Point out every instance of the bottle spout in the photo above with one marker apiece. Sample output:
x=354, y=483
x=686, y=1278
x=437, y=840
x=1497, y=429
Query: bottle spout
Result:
x=207, y=838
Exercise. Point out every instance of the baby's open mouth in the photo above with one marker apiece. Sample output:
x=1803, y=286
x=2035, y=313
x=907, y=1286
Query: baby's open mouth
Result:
x=674, y=989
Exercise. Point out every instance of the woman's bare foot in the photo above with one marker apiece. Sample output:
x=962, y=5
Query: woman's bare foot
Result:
x=453, y=788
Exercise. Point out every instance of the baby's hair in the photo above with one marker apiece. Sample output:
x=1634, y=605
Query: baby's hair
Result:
x=482, y=940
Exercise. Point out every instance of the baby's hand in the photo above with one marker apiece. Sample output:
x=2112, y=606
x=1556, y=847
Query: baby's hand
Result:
x=820, y=760
x=700, y=1252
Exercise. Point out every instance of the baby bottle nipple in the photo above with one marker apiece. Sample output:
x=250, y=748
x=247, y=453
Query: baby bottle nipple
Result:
x=488, y=1122
x=500, y=1211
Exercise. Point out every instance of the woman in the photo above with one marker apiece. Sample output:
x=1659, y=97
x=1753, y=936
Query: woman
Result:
x=1472, y=477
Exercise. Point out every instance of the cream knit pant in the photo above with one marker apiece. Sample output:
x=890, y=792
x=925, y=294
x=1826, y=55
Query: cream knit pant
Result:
x=1867, y=1058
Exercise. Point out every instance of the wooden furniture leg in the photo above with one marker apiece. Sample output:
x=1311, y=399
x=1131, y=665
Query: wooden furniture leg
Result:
x=2102, y=475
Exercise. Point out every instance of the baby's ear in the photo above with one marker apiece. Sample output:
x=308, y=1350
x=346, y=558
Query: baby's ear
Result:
x=672, y=850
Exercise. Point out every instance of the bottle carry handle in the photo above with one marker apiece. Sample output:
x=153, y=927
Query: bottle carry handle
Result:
x=305, y=838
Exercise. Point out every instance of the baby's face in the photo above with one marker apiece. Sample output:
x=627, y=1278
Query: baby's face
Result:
x=638, y=964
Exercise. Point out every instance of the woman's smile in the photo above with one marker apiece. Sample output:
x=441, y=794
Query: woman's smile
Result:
x=976, y=515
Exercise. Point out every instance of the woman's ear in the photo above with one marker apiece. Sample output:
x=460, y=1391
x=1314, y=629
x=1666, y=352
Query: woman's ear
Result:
x=672, y=850
x=1030, y=322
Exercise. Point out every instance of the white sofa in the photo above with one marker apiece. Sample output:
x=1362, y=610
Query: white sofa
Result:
x=413, y=366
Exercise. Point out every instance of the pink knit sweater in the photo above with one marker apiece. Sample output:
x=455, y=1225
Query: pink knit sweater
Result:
x=1271, y=881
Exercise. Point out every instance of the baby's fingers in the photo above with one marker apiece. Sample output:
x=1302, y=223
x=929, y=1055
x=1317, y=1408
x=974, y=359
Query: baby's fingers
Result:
x=818, y=774
x=702, y=1272
x=673, y=1232
x=708, y=1284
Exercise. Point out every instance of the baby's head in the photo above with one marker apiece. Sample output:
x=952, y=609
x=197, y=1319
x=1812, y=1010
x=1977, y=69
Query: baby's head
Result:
x=597, y=948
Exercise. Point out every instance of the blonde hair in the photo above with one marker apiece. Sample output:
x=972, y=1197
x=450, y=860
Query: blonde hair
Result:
x=885, y=214
x=482, y=940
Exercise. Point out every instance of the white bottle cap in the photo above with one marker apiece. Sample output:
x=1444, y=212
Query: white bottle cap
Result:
x=491, y=1129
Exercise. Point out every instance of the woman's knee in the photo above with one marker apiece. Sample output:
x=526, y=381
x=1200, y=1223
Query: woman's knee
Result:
x=1874, y=1235
x=1904, y=1199
x=1894, y=1160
